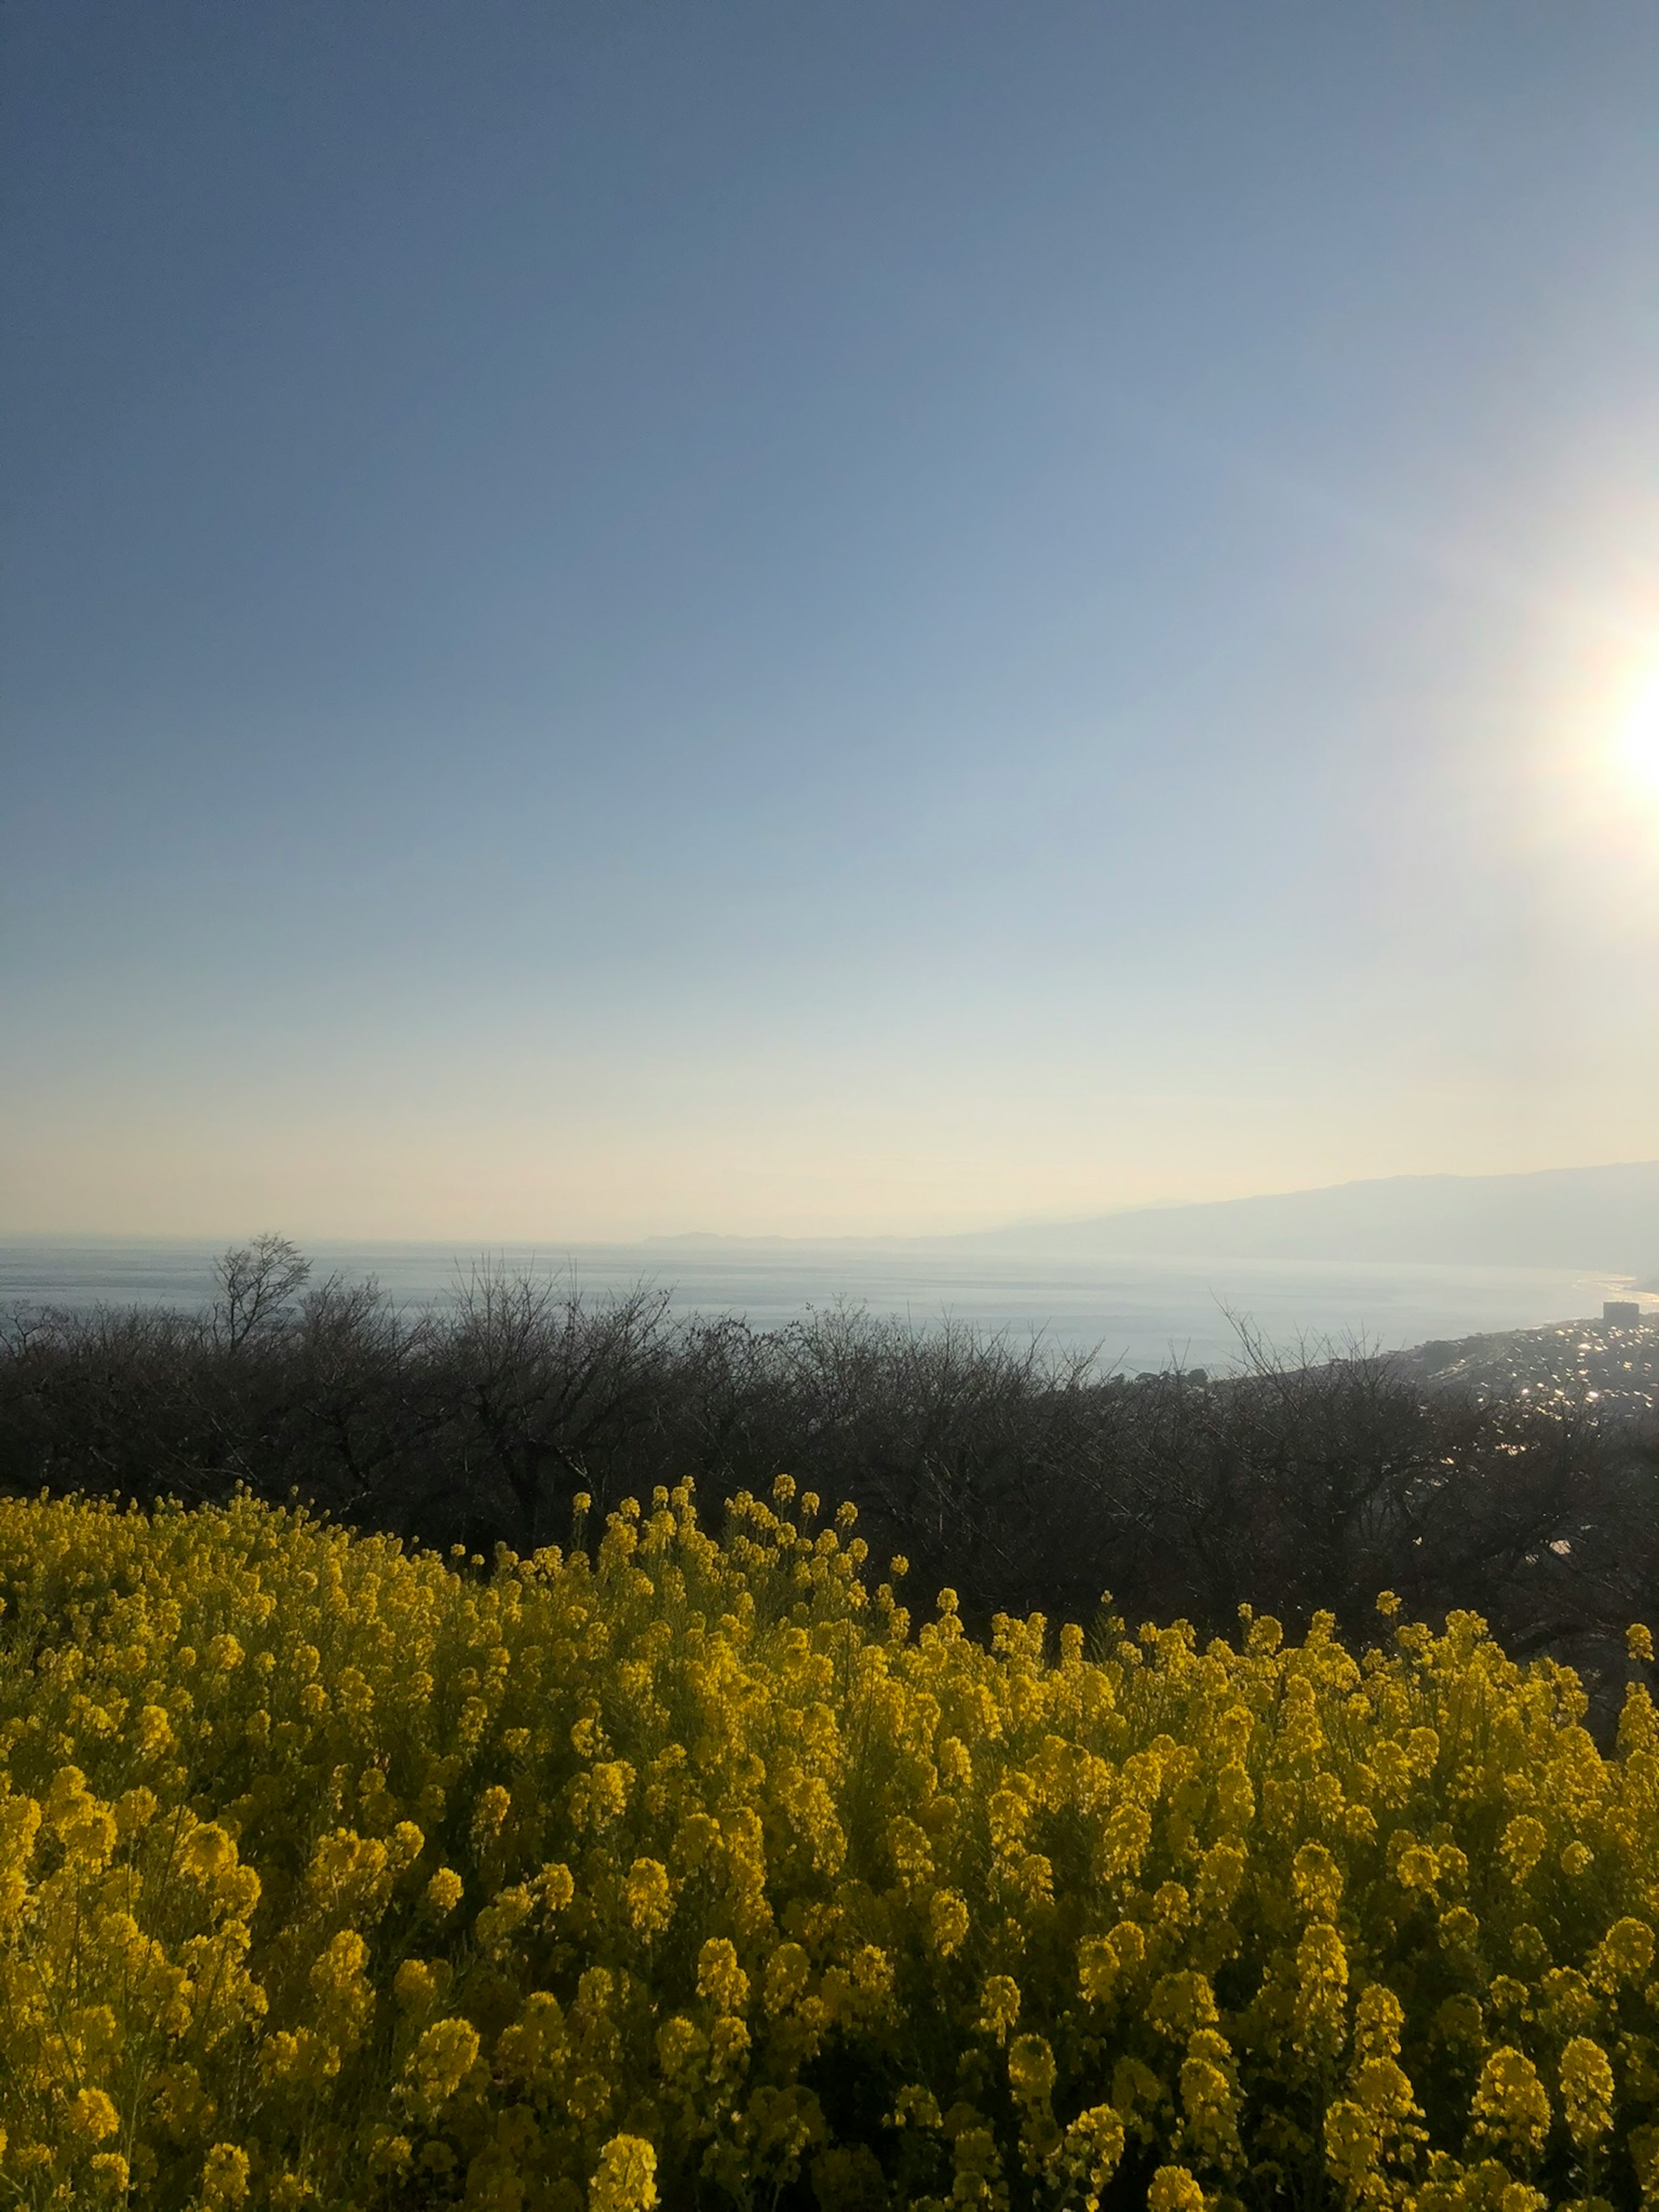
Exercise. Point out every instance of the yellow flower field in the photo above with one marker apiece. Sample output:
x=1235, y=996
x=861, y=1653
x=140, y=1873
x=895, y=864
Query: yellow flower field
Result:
x=695, y=1874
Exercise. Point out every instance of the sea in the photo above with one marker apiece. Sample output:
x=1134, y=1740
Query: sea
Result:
x=1134, y=1314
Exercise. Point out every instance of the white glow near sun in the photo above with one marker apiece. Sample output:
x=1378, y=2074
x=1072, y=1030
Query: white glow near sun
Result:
x=1638, y=743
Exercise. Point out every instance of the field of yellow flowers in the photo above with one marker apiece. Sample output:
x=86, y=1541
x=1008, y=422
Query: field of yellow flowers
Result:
x=693, y=1874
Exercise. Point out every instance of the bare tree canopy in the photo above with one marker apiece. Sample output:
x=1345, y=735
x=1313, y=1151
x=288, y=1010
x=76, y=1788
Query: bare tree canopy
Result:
x=1025, y=1478
x=256, y=1284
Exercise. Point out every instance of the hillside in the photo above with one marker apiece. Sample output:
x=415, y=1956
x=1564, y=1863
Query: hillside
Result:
x=1604, y=1218
x=1611, y=1371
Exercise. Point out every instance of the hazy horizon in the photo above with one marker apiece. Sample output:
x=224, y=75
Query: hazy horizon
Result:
x=623, y=622
x=1582, y=1182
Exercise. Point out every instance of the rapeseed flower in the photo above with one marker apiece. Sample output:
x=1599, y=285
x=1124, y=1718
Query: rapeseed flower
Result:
x=768, y=1888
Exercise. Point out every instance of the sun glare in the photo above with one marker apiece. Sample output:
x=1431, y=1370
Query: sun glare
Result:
x=1638, y=746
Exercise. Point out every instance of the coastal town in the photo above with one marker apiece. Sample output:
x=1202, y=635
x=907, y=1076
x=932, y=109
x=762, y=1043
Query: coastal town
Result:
x=1609, y=1367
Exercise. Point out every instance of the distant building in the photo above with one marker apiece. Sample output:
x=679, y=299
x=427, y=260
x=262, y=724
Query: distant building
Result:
x=1622, y=1313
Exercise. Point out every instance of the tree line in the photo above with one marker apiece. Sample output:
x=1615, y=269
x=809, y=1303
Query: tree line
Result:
x=1022, y=1476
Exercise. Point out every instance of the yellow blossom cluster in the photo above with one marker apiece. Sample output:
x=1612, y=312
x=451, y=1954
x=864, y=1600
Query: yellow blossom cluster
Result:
x=342, y=1877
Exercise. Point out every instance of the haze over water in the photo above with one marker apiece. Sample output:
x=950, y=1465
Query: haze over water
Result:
x=1139, y=1313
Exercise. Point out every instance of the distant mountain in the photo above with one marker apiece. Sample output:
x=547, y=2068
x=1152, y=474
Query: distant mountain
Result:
x=1604, y=1218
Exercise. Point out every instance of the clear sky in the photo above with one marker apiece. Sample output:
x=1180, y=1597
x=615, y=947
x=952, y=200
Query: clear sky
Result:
x=624, y=618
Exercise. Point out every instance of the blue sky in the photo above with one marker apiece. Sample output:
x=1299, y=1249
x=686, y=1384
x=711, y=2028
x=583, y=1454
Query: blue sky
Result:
x=625, y=618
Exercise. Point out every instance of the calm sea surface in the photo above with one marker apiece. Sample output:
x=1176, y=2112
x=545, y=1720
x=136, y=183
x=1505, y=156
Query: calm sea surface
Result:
x=1139, y=1313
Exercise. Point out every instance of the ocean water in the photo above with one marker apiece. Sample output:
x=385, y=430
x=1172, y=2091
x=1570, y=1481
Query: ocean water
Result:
x=1136, y=1313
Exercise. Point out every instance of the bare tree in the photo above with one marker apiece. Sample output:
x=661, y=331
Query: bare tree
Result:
x=553, y=1390
x=256, y=1283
